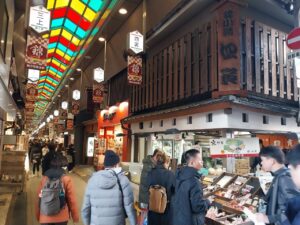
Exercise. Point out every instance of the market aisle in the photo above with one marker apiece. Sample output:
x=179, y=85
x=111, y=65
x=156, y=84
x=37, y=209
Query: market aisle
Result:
x=32, y=185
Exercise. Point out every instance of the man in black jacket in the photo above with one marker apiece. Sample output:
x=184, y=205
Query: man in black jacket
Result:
x=189, y=206
x=282, y=190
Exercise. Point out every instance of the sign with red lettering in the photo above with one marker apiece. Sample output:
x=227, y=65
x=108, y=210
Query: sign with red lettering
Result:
x=134, y=69
x=36, y=52
x=98, y=92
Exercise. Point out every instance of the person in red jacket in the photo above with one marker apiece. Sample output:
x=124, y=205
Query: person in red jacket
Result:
x=70, y=207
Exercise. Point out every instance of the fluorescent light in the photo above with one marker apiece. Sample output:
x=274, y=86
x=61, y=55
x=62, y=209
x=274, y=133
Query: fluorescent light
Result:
x=123, y=11
x=102, y=39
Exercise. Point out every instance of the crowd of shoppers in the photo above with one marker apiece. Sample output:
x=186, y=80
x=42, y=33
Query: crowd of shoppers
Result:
x=109, y=198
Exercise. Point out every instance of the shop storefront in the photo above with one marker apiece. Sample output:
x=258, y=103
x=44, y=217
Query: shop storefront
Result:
x=111, y=134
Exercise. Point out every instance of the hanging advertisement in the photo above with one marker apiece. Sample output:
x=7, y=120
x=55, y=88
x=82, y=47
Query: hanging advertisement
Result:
x=98, y=92
x=75, y=107
x=234, y=147
x=29, y=104
x=136, y=42
x=36, y=52
x=70, y=124
x=31, y=92
x=63, y=114
x=55, y=119
x=90, y=147
x=39, y=19
x=134, y=70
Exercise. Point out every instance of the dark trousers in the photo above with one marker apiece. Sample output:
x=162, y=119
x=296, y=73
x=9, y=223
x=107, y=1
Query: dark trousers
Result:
x=36, y=166
x=62, y=223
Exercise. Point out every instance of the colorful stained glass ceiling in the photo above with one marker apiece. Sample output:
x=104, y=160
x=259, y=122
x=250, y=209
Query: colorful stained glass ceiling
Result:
x=73, y=26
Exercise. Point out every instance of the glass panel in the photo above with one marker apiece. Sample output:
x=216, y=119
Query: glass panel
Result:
x=168, y=147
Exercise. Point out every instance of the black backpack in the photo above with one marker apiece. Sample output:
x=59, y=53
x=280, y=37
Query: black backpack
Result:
x=52, y=197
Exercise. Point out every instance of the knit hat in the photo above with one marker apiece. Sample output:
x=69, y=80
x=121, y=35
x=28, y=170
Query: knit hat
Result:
x=111, y=158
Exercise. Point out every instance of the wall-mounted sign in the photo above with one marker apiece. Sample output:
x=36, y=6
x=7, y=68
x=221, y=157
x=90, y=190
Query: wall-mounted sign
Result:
x=134, y=70
x=234, y=147
x=36, y=52
x=90, y=147
x=99, y=74
x=39, y=19
x=33, y=75
x=136, y=42
x=109, y=116
x=98, y=92
x=229, y=47
x=76, y=95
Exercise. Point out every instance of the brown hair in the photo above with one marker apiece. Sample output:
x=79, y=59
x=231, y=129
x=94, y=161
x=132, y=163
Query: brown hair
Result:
x=162, y=158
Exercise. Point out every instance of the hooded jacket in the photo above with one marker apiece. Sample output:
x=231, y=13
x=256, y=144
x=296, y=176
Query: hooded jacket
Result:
x=189, y=205
x=148, y=165
x=70, y=207
x=102, y=204
x=292, y=216
x=282, y=190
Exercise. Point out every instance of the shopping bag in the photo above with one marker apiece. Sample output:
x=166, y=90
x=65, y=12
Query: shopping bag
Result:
x=142, y=215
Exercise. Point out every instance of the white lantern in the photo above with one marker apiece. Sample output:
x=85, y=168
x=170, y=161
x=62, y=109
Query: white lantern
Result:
x=99, y=74
x=51, y=117
x=56, y=112
x=48, y=120
x=76, y=95
x=64, y=105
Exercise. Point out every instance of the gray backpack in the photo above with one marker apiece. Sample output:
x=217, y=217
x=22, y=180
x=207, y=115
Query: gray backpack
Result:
x=52, y=197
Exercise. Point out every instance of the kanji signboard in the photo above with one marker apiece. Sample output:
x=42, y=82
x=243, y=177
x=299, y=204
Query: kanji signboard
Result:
x=36, y=52
x=98, y=92
x=39, y=19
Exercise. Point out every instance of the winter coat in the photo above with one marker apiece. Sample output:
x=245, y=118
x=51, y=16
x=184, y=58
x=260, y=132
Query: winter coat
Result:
x=163, y=177
x=281, y=191
x=36, y=153
x=102, y=204
x=189, y=205
x=70, y=207
x=292, y=216
x=148, y=165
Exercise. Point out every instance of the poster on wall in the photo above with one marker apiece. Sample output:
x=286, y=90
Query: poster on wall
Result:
x=134, y=70
x=90, y=147
x=234, y=147
x=98, y=92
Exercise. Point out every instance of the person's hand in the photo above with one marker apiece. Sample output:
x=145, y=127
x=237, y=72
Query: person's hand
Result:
x=260, y=217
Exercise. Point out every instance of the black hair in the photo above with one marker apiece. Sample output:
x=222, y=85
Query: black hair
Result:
x=261, y=142
x=293, y=157
x=273, y=152
x=58, y=161
x=188, y=155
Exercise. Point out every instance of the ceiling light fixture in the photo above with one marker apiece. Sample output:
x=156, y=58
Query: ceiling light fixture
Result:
x=71, y=78
x=78, y=69
x=102, y=39
x=123, y=11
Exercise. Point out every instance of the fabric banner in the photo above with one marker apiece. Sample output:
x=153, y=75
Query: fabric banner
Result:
x=55, y=119
x=75, y=107
x=29, y=104
x=134, y=70
x=234, y=147
x=70, y=124
x=98, y=92
x=63, y=114
x=31, y=92
x=36, y=52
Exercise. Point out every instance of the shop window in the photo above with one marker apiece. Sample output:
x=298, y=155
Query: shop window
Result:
x=150, y=124
x=141, y=125
x=174, y=122
x=190, y=120
x=209, y=118
x=283, y=121
x=161, y=123
x=265, y=120
x=245, y=118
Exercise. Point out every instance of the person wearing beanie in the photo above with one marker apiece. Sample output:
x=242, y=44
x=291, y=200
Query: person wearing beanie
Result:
x=110, y=191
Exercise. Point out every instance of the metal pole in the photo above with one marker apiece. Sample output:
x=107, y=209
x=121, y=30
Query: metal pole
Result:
x=104, y=68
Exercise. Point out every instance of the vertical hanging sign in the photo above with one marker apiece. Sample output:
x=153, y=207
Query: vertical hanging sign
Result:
x=229, y=47
x=31, y=92
x=98, y=92
x=75, y=107
x=134, y=69
x=36, y=52
x=39, y=19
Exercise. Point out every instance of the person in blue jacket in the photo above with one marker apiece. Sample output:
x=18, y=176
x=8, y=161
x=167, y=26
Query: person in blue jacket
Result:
x=189, y=205
x=292, y=216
